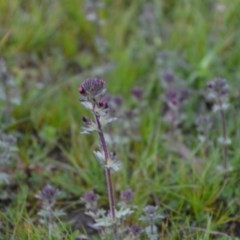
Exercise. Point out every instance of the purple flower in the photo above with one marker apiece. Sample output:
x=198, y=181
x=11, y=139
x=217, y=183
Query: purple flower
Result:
x=174, y=96
x=92, y=88
x=137, y=92
x=127, y=195
x=168, y=77
x=90, y=197
x=218, y=88
x=102, y=104
x=48, y=193
x=150, y=210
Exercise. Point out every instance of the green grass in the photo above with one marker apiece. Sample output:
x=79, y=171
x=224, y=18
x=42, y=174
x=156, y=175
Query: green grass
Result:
x=50, y=48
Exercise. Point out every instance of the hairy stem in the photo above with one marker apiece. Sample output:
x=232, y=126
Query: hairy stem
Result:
x=50, y=223
x=108, y=175
x=107, y=171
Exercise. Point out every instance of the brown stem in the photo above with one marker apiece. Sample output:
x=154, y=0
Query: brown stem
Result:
x=108, y=175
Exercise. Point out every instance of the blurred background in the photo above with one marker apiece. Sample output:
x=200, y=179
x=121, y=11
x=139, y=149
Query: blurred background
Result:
x=49, y=47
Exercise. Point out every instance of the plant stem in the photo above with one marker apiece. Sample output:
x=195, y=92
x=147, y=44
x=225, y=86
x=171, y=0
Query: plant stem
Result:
x=108, y=175
x=111, y=199
x=151, y=227
x=50, y=221
x=224, y=133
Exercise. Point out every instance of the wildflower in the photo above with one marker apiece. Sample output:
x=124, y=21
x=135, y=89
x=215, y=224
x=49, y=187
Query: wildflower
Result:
x=150, y=210
x=102, y=104
x=90, y=197
x=137, y=92
x=48, y=194
x=48, y=214
x=217, y=88
x=173, y=97
x=168, y=78
x=127, y=195
x=151, y=216
x=92, y=88
x=92, y=92
x=90, y=200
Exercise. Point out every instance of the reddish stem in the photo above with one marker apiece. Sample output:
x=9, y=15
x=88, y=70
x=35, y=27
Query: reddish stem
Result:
x=107, y=170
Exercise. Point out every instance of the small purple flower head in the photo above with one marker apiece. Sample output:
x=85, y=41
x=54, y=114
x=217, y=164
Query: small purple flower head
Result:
x=168, y=77
x=137, y=92
x=150, y=210
x=86, y=121
x=90, y=200
x=92, y=88
x=90, y=197
x=127, y=195
x=48, y=193
x=118, y=100
x=102, y=104
x=218, y=88
x=173, y=97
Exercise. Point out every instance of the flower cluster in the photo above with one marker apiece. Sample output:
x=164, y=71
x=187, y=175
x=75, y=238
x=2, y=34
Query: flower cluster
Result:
x=92, y=89
x=90, y=200
x=175, y=91
x=218, y=90
x=48, y=194
x=174, y=98
x=168, y=78
x=92, y=97
x=127, y=195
